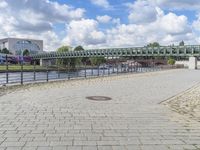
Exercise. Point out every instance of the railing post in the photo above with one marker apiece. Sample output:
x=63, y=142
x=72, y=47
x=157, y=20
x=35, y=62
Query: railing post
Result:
x=58, y=70
x=34, y=74
x=108, y=69
x=113, y=69
x=136, y=66
x=21, y=73
x=128, y=67
x=7, y=69
x=121, y=67
x=98, y=71
x=131, y=66
x=103, y=69
x=117, y=68
x=47, y=73
x=68, y=69
x=92, y=71
x=108, y=65
x=85, y=71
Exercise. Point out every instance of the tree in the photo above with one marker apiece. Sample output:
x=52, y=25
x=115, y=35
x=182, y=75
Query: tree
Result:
x=5, y=51
x=84, y=59
x=76, y=61
x=79, y=48
x=63, y=62
x=181, y=43
x=26, y=52
x=97, y=60
x=154, y=44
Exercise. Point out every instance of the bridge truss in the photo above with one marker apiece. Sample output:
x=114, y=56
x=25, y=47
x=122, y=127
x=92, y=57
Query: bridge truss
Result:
x=178, y=51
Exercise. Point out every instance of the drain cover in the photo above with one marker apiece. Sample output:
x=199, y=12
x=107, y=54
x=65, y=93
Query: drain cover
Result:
x=99, y=98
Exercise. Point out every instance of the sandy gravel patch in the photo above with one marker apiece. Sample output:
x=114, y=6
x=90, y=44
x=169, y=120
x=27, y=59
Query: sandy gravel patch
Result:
x=186, y=103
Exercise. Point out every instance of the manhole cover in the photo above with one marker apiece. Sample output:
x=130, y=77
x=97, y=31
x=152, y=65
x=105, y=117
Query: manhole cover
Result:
x=99, y=98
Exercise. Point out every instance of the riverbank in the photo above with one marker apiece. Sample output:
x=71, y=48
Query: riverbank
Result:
x=76, y=81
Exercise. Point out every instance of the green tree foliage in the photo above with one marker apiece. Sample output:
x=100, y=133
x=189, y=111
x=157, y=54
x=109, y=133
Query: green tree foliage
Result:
x=79, y=48
x=181, y=43
x=97, y=60
x=76, y=61
x=154, y=44
x=5, y=51
x=84, y=59
x=171, y=61
x=26, y=52
x=63, y=62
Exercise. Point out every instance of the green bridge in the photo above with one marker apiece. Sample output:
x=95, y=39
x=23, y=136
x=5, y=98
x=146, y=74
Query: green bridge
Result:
x=179, y=51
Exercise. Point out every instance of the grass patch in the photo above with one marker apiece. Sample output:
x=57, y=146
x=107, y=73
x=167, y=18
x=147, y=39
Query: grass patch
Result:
x=18, y=68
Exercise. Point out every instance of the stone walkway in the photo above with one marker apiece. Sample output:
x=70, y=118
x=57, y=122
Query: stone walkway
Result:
x=57, y=116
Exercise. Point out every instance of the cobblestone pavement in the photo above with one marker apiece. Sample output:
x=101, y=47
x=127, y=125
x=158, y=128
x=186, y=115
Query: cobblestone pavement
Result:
x=57, y=116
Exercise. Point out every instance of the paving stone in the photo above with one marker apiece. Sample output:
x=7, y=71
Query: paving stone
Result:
x=57, y=116
x=74, y=148
x=29, y=148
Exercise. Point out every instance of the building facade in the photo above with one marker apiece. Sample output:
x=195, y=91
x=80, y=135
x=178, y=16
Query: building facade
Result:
x=16, y=45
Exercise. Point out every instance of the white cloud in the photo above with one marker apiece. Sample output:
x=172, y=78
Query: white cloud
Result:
x=3, y=4
x=147, y=23
x=173, y=24
x=84, y=32
x=104, y=19
x=166, y=29
x=177, y=4
x=101, y=3
x=35, y=19
x=142, y=12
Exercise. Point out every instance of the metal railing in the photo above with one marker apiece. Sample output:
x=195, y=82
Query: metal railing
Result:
x=19, y=74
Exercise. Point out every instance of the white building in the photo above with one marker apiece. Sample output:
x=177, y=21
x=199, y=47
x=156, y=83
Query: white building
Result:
x=16, y=46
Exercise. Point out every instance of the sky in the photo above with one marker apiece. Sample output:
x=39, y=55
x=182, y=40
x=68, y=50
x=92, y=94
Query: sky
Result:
x=101, y=23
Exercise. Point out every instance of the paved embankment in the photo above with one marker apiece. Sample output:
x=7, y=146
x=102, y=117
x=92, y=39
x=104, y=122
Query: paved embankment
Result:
x=58, y=116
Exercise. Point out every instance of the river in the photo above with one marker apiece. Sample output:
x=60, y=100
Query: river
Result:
x=15, y=77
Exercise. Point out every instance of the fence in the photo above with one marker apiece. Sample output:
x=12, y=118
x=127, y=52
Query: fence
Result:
x=21, y=74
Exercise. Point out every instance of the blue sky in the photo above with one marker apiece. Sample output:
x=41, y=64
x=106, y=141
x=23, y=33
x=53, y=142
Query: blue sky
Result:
x=101, y=23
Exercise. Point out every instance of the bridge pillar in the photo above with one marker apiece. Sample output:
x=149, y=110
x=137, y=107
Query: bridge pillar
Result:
x=44, y=62
x=192, y=63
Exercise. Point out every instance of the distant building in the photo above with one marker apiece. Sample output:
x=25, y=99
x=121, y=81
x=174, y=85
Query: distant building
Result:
x=16, y=45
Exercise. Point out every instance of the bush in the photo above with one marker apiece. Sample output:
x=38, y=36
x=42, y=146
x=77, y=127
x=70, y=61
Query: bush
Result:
x=171, y=61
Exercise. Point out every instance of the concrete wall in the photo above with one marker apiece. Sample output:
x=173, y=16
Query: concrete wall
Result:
x=186, y=63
